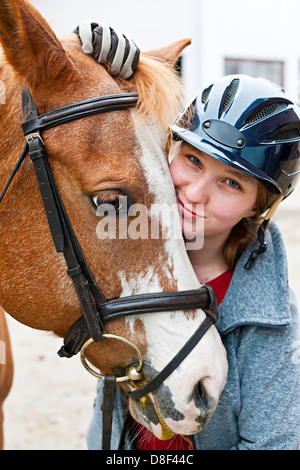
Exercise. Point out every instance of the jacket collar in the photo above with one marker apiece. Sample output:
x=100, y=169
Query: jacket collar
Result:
x=259, y=296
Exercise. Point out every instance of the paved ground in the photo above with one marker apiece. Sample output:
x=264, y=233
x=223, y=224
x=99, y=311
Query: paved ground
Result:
x=51, y=401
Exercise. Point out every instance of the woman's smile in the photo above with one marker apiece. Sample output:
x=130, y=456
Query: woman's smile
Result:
x=187, y=210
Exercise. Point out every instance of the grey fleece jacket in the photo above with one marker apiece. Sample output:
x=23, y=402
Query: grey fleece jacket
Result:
x=259, y=408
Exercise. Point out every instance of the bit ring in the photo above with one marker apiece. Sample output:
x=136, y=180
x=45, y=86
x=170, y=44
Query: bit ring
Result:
x=100, y=376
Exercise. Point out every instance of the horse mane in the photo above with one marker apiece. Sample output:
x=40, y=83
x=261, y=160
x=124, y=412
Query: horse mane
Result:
x=156, y=81
x=160, y=91
x=38, y=57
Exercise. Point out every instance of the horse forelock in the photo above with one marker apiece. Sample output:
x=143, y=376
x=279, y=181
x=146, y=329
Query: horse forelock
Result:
x=157, y=83
x=160, y=91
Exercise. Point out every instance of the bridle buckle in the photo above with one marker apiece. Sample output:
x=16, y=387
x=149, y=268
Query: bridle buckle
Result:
x=32, y=136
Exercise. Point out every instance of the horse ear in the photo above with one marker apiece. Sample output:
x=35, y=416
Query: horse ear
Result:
x=30, y=45
x=169, y=53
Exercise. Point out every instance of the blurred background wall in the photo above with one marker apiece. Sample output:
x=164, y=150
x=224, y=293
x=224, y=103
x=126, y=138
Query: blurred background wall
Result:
x=257, y=37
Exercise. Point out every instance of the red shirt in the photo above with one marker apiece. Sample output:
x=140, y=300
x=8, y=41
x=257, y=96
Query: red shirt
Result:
x=146, y=440
x=220, y=284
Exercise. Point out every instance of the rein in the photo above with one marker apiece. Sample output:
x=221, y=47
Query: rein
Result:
x=97, y=311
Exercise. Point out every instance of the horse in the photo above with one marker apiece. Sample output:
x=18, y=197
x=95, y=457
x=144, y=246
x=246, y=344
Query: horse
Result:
x=6, y=368
x=115, y=159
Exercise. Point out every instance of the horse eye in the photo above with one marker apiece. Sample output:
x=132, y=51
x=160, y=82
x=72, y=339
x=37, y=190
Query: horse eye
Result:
x=109, y=203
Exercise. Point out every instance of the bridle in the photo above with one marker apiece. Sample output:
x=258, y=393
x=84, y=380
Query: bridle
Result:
x=97, y=311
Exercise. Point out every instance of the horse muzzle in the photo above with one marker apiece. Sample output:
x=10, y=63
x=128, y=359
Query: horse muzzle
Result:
x=159, y=413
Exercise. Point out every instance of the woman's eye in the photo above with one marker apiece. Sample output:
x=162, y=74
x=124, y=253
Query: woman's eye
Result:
x=233, y=184
x=110, y=203
x=195, y=160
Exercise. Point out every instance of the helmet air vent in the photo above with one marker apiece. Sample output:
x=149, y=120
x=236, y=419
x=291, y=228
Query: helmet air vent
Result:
x=287, y=134
x=266, y=111
x=229, y=95
x=205, y=94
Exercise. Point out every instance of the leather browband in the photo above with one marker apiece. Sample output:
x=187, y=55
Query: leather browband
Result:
x=101, y=104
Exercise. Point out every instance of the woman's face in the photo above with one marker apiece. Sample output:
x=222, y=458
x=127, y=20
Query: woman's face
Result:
x=211, y=194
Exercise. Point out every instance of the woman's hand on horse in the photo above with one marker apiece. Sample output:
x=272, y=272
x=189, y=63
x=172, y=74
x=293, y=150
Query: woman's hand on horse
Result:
x=109, y=47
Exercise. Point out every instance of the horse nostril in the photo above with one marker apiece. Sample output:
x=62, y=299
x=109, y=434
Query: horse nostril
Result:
x=201, y=397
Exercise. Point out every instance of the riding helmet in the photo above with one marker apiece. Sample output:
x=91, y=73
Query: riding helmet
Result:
x=249, y=124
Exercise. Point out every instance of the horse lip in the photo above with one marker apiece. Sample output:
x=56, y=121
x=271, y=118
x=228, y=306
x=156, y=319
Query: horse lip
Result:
x=154, y=402
x=167, y=433
x=148, y=414
x=147, y=411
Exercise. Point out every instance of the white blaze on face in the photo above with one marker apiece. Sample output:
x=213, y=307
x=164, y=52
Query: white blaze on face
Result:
x=156, y=171
x=168, y=332
x=154, y=163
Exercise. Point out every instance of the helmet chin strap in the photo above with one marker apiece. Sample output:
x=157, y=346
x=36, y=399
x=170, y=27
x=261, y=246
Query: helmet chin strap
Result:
x=261, y=233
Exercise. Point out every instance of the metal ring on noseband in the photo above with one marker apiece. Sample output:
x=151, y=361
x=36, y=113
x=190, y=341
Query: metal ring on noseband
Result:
x=134, y=373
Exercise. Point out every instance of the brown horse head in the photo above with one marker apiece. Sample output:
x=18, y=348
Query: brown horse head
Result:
x=114, y=158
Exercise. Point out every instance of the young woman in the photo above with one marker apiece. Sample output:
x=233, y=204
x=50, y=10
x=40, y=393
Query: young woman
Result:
x=236, y=157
